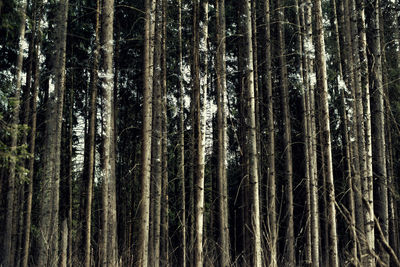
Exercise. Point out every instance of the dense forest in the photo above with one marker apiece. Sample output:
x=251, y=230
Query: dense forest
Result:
x=199, y=133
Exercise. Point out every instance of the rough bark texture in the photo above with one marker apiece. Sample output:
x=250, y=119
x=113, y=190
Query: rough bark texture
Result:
x=48, y=248
x=222, y=136
x=108, y=249
x=325, y=129
x=310, y=77
x=378, y=133
x=156, y=167
x=142, y=257
x=303, y=83
x=271, y=184
x=15, y=105
x=346, y=145
x=164, y=236
x=32, y=142
x=252, y=140
x=287, y=136
x=200, y=93
x=92, y=130
x=181, y=168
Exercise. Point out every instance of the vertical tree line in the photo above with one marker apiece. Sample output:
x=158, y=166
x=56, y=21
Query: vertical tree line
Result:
x=196, y=133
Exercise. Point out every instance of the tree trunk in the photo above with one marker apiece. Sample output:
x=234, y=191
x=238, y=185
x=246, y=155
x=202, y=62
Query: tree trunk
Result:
x=222, y=136
x=64, y=243
x=200, y=97
x=271, y=187
x=287, y=136
x=301, y=75
x=346, y=144
x=15, y=106
x=325, y=128
x=252, y=140
x=310, y=77
x=32, y=142
x=142, y=258
x=164, y=259
x=156, y=168
x=48, y=248
x=378, y=133
x=181, y=166
x=365, y=98
x=106, y=76
x=354, y=151
x=92, y=135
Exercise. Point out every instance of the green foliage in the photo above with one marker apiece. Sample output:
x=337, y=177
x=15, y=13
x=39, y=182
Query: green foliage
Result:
x=21, y=153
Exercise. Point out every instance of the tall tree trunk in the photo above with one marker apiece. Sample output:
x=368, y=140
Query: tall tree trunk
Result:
x=378, y=133
x=364, y=96
x=164, y=259
x=15, y=106
x=32, y=142
x=200, y=93
x=271, y=191
x=50, y=184
x=156, y=168
x=301, y=75
x=354, y=151
x=106, y=78
x=69, y=178
x=325, y=129
x=222, y=136
x=346, y=145
x=92, y=135
x=310, y=78
x=287, y=136
x=142, y=257
x=252, y=139
x=181, y=166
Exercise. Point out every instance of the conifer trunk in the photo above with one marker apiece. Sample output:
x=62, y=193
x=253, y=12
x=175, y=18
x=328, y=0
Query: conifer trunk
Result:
x=287, y=135
x=106, y=76
x=32, y=142
x=142, y=257
x=222, y=136
x=325, y=129
x=92, y=131
x=378, y=133
x=252, y=140
x=181, y=167
x=271, y=187
x=15, y=107
x=48, y=248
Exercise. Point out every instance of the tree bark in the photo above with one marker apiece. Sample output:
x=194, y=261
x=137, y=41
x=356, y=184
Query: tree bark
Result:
x=92, y=135
x=271, y=187
x=15, y=106
x=32, y=142
x=252, y=139
x=181, y=166
x=222, y=136
x=156, y=168
x=142, y=257
x=106, y=77
x=310, y=77
x=325, y=128
x=346, y=145
x=287, y=136
x=48, y=248
x=164, y=248
x=378, y=133
x=200, y=96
